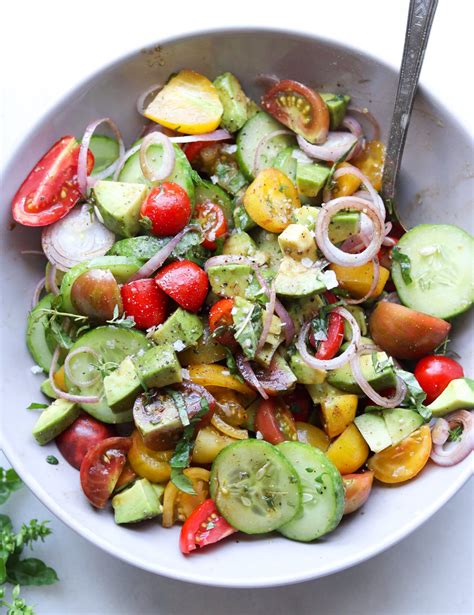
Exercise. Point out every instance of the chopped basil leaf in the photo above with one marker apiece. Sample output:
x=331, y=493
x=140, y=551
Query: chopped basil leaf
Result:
x=404, y=262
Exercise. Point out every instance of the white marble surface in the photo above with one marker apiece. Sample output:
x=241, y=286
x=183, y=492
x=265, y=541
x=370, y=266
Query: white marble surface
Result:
x=46, y=47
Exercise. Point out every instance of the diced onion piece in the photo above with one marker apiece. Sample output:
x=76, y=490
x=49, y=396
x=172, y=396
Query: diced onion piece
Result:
x=228, y=430
x=216, y=135
x=67, y=366
x=77, y=237
x=337, y=145
x=341, y=359
x=77, y=399
x=51, y=279
x=37, y=292
x=167, y=165
x=450, y=453
x=248, y=375
x=366, y=114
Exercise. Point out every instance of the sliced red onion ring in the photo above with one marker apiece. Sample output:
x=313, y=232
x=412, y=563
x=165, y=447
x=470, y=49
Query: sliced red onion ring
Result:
x=167, y=164
x=373, y=285
x=67, y=367
x=128, y=154
x=270, y=309
x=355, y=243
x=338, y=361
x=374, y=195
x=77, y=399
x=142, y=99
x=450, y=453
x=261, y=144
x=159, y=258
x=248, y=375
x=77, y=237
x=216, y=135
x=335, y=147
x=336, y=255
x=385, y=402
x=37, y=292
x=287, y=322
x=51, y=279
x=366, y=114
x=84, y=181
x=351, y=124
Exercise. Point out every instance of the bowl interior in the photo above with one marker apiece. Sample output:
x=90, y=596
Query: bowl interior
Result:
x=434, y=188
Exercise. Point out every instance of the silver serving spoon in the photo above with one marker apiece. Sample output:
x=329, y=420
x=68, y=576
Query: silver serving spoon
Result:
x=420, y=19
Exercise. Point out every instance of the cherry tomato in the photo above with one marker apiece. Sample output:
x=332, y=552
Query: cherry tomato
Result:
x=220, y=315
x=385, y=254
x=299, y=402
x=434, y=373
x=213, y=223
x=185, y=282
x=328, y=348
x=51, y=189
x=275, y=422
x=178, y=505
x=204, y=527
x=96, y=294
x=126, y=478
x=403, y=461
x=147, y=463
x=357, y=488
x=192, y=150
x=168, y=207
x=371, y=162
x=146, y=302
x=310, y=434
x=101, y=469
x=300, y=108
x=86, y=432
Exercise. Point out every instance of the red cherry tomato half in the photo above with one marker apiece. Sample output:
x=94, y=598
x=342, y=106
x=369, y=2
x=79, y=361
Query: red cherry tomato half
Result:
x=275, y=422
x=204, y=527
x=213, y=223
x=300, y=404
x=51, y=190
x=192, y=150
x=220, y=315
x=327, y=349
x=434, y=373
x=85, y=433
x=185, y=282
x=298, y=107
x=168, y=207
x=357, y=489
x=144, y=301
x=101, y=468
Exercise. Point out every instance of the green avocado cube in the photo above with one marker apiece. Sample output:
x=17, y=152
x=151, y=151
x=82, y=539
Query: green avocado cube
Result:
x=458, y=395
x=122, y=386
x=377, y=369
x=47, y=389
x=310, y=178
x=337, y=106
x=274, y=339
x=119, y=204
x=401, y=422
x=182, y=330
x=298, y=281
x=233, y=281
x=303, y=372
x=237, y=107
x=54, y=420
x=139, y=502
x=343, y=225
x=158, y=367
x=374, y=431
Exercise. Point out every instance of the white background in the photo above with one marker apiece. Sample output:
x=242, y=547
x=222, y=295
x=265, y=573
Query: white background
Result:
x=46, y=47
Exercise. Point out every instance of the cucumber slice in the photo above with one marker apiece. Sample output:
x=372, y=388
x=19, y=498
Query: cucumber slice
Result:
x=122, y=268
x=259, y=126
x=323, y=492
x=105, y=150
x=207, y=191
x=182, y=172
x=441, y=257
x=112, y=344
x=40, y=342
x=254, y=487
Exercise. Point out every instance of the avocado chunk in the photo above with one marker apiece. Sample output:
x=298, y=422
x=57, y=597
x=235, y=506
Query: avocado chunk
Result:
x=122, y=386
x=47, y=389
x=237, y=280
x=268, y=244
x=54, y=420
x=182, y=330
x=297, y=242
x=240, y=244
x=158, y=367
x=458, y=395
x=303, y=372
x=137, y=503
x=207, y=350
x=274, y=339
x=241, y=218
x=248, y=325
x=374, y=431
x=337, y=106
x=401, y=422
x=119, y=204
x=342, y=226
x=377, y=369
x=301, y=310
x=237, y=107
x=321, y=391
x=296, y=280
x=310, y=178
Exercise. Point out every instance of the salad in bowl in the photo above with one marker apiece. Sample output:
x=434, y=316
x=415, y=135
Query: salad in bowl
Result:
x=238, y=334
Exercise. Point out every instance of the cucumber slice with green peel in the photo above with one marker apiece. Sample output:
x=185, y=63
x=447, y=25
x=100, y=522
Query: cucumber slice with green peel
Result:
x=207, y=191
x=259, y=126
x=105, y=150
x=122, y=267
x=181, y=174
x=440, y=257
x=39, y=339
x=112, y=345
x=254, y=487
x=323, y=492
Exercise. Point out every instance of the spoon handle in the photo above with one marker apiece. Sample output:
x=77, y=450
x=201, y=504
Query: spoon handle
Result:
x=420, y=18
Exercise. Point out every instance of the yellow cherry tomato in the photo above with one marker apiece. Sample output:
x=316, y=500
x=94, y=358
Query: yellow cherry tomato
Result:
x=229, y=407
x=358, y=280
x=217, y=376
x=349, y=451
x=148, y=463
x=59, y=379
x=309, y=434
x=370, y=161
x=404, y=460
x=209, y=443
x=346, y=184
x=271, y=199
x=338, y=412
x=188, y=103
x=177, y=505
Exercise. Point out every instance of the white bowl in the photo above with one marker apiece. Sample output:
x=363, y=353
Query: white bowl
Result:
x=433, y=172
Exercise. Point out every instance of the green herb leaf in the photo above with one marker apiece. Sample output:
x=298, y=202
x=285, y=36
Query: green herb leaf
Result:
x=319, y=326
x=180, y=404
x=60, y=335
x=249, y=328
x=124, y=321
x=30, y=571
x=5, y=524
x=51, y=459
x=9, y=482
x=415, y=395
x=146, y=223
x=36, y=406
x=455, y=434
x=232, y=365
x=181, y=481
x=404, y=262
